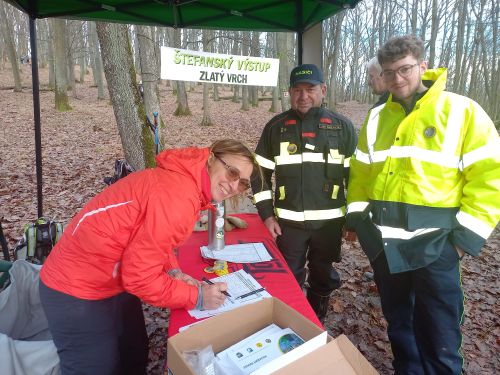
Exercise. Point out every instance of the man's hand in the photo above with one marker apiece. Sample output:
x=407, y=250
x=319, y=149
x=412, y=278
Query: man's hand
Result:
x=460, y=252
x=272, y=226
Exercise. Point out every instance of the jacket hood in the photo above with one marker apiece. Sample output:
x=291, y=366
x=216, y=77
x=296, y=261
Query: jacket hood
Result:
x=187, y=161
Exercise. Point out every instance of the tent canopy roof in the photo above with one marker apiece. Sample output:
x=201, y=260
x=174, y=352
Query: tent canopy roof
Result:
x=263, y=15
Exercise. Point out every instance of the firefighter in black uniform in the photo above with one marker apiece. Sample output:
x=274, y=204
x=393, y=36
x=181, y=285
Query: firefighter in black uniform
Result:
x=308, y=148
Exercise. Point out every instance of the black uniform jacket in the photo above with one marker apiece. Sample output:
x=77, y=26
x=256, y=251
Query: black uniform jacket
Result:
x=310, y=158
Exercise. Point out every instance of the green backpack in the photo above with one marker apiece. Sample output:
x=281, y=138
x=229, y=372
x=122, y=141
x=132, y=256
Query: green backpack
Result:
x=38, y=240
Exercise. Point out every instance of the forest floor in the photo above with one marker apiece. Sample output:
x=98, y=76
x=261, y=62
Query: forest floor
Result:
x=79, y=148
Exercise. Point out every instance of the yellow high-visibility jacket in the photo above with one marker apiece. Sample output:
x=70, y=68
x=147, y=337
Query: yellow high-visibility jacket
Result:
x=427, y=176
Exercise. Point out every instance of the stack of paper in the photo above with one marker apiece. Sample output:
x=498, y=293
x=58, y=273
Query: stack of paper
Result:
x=241, y=253
x=256, y=350
x=239, y=284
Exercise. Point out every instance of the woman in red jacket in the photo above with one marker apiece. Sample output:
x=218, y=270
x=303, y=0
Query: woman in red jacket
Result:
x=120, y=246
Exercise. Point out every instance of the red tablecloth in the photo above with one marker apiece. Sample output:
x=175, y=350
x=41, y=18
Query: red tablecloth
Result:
x=274, y=275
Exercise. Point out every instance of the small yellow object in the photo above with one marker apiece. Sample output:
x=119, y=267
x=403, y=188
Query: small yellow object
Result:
x=219, y=268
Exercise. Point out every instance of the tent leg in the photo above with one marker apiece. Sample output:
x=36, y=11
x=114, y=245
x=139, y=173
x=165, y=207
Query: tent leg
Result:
x=36, y=114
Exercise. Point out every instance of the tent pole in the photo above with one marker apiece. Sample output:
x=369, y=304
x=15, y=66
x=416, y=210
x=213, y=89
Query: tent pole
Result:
x=36, y=114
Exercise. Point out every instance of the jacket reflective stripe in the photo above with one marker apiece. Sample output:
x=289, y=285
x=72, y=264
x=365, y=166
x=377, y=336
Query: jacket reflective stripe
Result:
x=398, y=233
x=265, y=163
x=356, y=207
x=446, y=157
x=310, y=214
x=399, y=152
x=262, y=196
x=371, y=129
x=474, y=224
x=362, y=157
x=312, y=157
x=103, y=209
x=347, y=162
x=487, y=151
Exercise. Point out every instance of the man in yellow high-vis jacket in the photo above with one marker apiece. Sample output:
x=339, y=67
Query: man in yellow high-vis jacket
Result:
x=423, y=191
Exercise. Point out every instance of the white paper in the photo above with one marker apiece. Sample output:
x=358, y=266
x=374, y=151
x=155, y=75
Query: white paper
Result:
x=254, y=252
x=238, y=284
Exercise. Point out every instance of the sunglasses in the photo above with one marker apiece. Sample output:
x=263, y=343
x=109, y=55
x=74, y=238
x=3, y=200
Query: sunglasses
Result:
x=233, y=174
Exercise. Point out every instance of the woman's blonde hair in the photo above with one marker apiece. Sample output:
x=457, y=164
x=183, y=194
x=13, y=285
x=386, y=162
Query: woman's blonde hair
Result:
x=233, y=147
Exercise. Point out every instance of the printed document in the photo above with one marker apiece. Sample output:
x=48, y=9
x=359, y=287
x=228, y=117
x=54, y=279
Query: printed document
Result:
x=238, y=284
x=253, y=252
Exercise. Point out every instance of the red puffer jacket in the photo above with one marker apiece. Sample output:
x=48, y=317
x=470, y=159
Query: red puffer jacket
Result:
x=123, y=239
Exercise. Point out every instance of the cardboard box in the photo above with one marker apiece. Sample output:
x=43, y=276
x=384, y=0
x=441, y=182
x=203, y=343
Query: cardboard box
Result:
x=338, y=356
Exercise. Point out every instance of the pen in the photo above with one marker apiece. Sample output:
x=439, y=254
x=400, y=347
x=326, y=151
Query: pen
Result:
x=251, y=293
x=211, y=283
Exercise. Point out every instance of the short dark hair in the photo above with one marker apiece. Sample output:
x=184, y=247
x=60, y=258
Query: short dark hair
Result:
x=399, y=47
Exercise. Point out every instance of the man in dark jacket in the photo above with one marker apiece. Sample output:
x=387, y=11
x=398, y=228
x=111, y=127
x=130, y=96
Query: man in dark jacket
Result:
x=308, y=148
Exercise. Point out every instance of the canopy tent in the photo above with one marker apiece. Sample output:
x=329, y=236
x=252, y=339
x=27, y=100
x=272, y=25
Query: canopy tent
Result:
x=298, y=16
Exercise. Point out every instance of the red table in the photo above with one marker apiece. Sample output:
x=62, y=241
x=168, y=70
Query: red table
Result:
x=274, y=275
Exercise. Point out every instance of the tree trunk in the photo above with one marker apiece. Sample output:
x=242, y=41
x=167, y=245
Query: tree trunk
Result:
x=59, y=32
x=283, y=72
x=245, y=102
x=182, y=99
x=8, y=38
x=149, y=73
x=124, y=94
x=97, y=70
x=207, y=118
x=339, y=18
x=434, y=31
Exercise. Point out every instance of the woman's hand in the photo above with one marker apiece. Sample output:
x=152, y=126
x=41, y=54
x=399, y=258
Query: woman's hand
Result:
x=213, y=296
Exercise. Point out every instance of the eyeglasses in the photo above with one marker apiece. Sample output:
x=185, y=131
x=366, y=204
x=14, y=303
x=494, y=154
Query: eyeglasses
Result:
x=233, y=174
x=403, y=71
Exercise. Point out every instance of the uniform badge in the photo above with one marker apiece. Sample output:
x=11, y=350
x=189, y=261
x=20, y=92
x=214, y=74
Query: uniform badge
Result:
x=292, y=148
x=430, y=131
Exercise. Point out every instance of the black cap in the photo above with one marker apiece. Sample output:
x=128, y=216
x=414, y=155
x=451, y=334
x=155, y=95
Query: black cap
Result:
x=306, y=73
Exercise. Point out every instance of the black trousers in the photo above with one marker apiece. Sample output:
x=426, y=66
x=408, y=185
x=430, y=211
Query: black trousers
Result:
x=423, y=309
x=319, y=247
x=100, y=337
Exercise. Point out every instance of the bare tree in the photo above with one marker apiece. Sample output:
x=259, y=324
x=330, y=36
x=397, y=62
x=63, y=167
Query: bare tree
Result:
x=97, y=68
x=59, y=32
x=124, y=94
x=6, y=29
x=182, y=100
x=207, y=118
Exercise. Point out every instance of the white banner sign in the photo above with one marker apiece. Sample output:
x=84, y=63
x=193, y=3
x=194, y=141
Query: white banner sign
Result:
x=184, y=65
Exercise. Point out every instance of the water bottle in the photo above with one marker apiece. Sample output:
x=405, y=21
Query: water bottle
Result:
x=216, y=226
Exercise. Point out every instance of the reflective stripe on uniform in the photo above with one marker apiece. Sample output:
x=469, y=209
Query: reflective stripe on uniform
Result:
x=361, y=156
x=398, y=233
x=310, y=214
x=347, y=162
x=356, y=207
x=308, y=157
x=282, y=193
x=262, y=196
x=489, y=150
x=474, y=224
x=265, y=163
x=335, y=191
